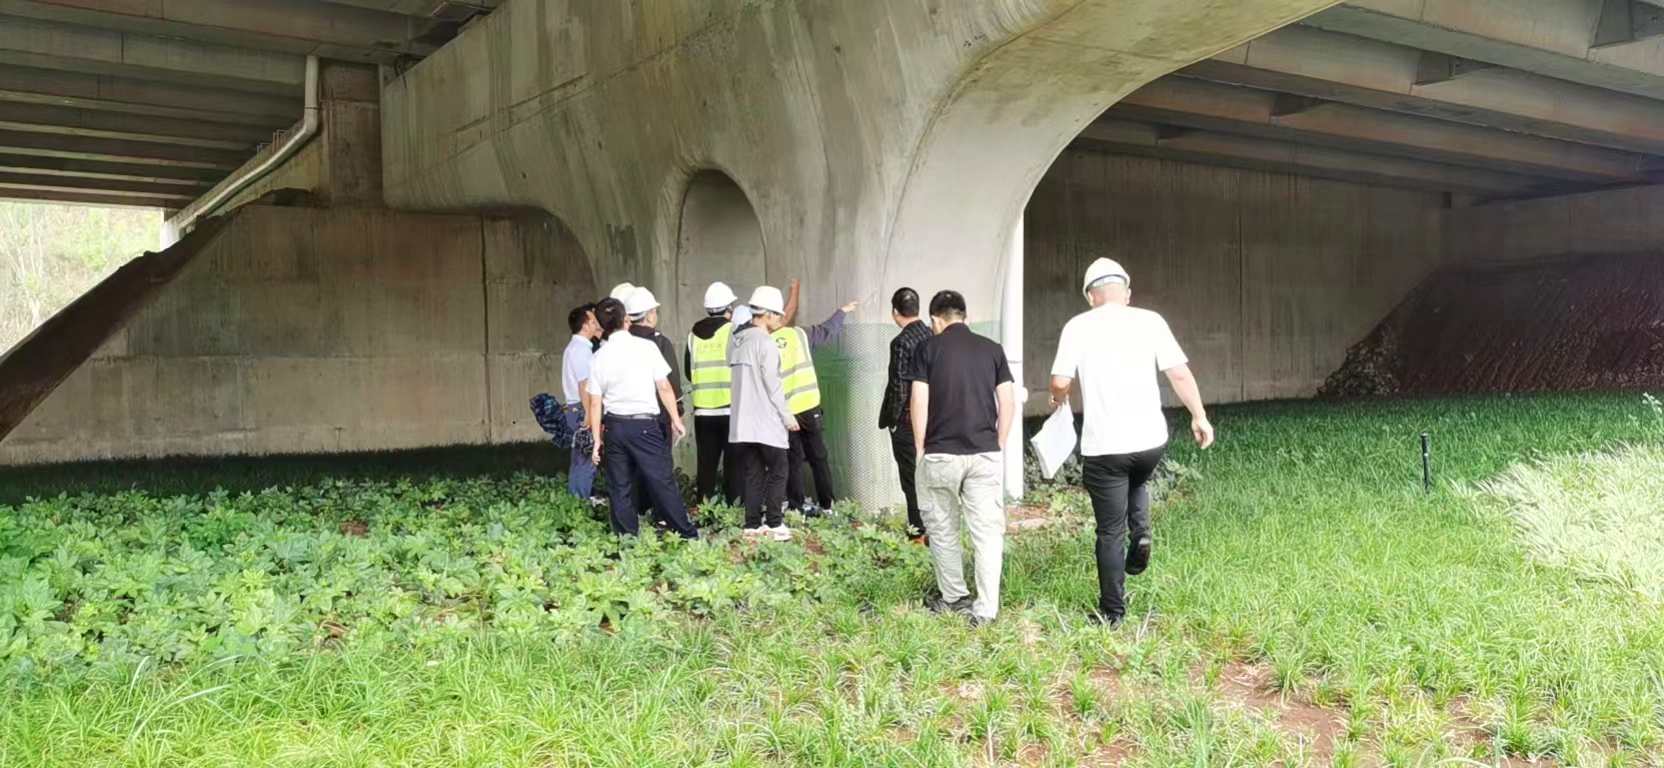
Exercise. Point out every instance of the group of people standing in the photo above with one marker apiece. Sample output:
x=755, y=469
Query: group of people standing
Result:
x=754, y=394
x=949, y=406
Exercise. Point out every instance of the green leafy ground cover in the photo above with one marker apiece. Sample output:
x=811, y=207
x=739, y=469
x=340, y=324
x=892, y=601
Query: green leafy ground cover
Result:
x=1308, y=605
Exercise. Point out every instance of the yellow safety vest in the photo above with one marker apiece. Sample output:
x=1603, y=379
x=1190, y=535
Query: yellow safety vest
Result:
x=797, y=370
x=711, y=378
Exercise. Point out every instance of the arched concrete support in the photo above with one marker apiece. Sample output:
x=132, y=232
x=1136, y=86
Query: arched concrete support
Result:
x=1018, y=107
x=720, y=239
x=880, y=143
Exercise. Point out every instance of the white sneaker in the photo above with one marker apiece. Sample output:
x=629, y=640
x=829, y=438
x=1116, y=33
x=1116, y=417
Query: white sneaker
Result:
x=780, y=532
x=758, y=532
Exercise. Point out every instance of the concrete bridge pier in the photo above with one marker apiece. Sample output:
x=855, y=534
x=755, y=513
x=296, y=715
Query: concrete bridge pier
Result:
x=875, y=144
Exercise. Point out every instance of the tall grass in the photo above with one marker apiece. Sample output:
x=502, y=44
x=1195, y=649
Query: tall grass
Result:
x=1302, y=548
x=1599, y=514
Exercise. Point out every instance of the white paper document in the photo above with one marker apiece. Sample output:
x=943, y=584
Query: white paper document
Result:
x=1055, y=440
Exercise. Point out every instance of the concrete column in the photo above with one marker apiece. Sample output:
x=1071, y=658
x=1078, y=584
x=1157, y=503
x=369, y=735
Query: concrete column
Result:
x=350, y=170
x=1011, y=338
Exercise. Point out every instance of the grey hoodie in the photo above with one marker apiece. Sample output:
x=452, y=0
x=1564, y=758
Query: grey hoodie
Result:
x=759, y=412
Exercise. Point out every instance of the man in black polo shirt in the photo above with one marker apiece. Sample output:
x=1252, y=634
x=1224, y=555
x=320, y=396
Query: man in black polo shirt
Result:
x=963, y=403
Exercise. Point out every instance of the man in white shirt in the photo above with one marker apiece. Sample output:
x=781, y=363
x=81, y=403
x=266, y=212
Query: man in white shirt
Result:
x=628, y=382
x=574, y=375
x=1115, y=350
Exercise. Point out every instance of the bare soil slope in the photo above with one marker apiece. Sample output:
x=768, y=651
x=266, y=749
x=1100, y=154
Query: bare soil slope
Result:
x=1573, y=324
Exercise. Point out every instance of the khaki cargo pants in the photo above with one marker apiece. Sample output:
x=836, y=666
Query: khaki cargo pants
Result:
x=951, y=487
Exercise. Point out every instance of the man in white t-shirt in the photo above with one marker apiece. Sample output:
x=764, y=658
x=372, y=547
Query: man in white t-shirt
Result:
x=1115, y=350
x=628, y=382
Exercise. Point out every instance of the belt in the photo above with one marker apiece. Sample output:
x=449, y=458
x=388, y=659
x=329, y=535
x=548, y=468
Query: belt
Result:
x=632, y=417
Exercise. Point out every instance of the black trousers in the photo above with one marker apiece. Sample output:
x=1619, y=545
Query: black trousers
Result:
x=638, y=456
x=764, y=470
x=1118, y=485
x=907, y=461
x=644, y=500
x=711, y=435
x=808, y=443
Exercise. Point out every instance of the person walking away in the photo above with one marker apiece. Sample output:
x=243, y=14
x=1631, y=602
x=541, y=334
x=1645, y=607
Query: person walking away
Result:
x=895, y=414
x=628, y=385
x=706, y=362
x=574, y=380
x=808, y=443
x=963, y=403
x=759, y=421
x=1115, y=351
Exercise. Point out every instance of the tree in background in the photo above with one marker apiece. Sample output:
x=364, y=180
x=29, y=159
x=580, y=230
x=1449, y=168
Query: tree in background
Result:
x=50, y=254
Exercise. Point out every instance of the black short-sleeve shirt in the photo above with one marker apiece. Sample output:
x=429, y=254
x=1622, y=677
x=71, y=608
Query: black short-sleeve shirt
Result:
x=963, y=370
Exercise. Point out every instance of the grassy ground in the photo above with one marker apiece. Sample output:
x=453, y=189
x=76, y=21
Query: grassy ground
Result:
x=1308, y=604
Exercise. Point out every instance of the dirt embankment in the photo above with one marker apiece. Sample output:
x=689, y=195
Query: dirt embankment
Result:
x=1572, y=324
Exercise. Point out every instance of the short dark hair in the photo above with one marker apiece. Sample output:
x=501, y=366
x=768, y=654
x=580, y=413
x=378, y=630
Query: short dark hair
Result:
x=611, y=315
x=905, y=302
x=578, y=316
x=948, y=305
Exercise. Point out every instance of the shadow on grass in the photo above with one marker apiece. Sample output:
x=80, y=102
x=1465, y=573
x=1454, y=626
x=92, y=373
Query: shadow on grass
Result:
x=193, y=475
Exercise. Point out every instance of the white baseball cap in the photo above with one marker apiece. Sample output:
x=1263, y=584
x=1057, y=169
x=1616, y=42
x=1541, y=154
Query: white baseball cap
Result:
x=1101, y=270
x=719, y=297
x=640, y=302
x=768, y=298
x=622, y=291
x=742, y=315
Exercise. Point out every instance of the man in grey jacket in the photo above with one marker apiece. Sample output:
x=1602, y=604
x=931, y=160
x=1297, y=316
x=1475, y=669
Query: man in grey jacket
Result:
x=759, y=423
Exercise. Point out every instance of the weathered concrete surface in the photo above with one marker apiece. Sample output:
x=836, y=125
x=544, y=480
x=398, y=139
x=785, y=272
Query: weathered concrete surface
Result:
x=308, y=330
x=881, y=143
x=1265, y=278
x=1613, y=221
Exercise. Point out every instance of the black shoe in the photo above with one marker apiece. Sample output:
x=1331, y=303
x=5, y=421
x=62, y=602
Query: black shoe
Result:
x=937, y=604
x=1103, y=620
x=978, y=622
x=1138, y=555
x=812, y=511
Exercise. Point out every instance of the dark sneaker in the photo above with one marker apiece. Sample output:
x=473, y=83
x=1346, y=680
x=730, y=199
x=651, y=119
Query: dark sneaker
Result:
x=1138, y=555
x=937, y=604
x=812, y=511
x=978, y=622
x=1100, y=619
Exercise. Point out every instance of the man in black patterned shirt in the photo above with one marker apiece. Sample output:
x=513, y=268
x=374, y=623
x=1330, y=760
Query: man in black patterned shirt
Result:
x=896, y=414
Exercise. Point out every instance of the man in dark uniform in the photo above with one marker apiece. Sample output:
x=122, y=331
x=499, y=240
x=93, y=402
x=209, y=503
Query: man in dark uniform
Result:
x=643, y=309
x=896, y=414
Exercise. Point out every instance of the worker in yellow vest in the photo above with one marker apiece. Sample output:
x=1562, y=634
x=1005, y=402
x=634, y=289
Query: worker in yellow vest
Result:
x=710, y=392
x=802, y=386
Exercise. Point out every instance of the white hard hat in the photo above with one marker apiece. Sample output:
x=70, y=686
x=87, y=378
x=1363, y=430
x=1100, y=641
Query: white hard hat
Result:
x=1103, y=269
x=719, y=296
x=640, y=302
x=622, y=291
x=742, y=315
x=768, y=298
